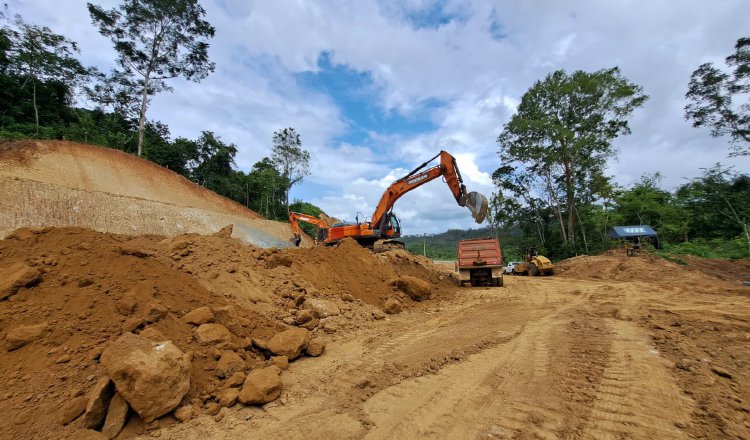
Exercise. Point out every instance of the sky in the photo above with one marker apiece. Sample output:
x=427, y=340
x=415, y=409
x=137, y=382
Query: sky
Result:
x=377, y=87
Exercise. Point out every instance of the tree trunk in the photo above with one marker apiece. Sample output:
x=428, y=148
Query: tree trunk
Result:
x=556, y=201
x=36, y=109
x=583, y=232
x=142, y=117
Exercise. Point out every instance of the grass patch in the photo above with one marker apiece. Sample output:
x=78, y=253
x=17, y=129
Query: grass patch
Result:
x=734, y=249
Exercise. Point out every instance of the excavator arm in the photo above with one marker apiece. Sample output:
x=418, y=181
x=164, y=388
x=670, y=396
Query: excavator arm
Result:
x=477, y=203
x=296, y=217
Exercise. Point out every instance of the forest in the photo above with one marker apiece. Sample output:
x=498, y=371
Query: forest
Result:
x=552, y=191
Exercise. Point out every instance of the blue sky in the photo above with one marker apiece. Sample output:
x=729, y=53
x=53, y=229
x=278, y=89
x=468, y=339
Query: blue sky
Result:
x=376, y=87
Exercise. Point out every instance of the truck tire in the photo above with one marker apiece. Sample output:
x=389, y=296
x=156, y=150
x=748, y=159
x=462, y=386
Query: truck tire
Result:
x=497, y=282
x=533, y=270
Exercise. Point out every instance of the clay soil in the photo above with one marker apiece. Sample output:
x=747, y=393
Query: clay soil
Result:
x=609, y=347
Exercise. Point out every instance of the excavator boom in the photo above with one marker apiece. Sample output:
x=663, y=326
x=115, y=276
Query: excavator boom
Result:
x=475, y=202
x=296, y=217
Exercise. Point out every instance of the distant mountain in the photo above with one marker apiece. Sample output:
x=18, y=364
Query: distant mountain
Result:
x=443, y=246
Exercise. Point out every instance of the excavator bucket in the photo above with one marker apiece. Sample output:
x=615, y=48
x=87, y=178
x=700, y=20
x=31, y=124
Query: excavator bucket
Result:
x=477, y=204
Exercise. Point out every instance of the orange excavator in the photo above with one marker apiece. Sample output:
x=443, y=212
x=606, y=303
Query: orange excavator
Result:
x=384, y=227
x=296, y=217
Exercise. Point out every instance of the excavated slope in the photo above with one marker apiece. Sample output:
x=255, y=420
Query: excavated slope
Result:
x=57, y=183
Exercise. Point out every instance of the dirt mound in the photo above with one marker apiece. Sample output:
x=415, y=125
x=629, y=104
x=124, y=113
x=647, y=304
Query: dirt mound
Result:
x=56, y=183
x=648, y=268
x=93, y=287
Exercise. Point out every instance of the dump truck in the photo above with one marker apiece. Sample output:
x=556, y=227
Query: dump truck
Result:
x=480, y=262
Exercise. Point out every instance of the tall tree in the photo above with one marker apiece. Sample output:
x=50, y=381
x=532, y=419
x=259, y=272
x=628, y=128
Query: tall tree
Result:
x=720, y=100
x=561, y=137
x=40, y=57
x=289, y=158
x=157, y=40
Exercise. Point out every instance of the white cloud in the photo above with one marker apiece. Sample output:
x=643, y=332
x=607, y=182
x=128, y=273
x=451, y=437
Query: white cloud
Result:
x=476, y=65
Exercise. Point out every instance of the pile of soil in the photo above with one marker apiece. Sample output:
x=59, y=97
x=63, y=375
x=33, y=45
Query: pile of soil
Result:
x=70, y=293
x=648, y=268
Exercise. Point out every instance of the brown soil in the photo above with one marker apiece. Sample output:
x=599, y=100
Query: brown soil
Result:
x=95, y=286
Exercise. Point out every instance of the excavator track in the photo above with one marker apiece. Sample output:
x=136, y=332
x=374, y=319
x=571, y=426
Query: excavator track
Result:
x=388, y=245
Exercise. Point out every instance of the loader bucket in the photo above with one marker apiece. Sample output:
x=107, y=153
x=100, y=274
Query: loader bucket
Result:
x=477, y=204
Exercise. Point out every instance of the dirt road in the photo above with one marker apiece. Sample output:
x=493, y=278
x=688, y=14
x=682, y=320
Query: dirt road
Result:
x=551, y=357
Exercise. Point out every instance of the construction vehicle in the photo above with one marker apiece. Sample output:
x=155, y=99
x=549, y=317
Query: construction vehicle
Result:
x=480, y=262
x=296, y=217
x=534, y=265
x=381, y=232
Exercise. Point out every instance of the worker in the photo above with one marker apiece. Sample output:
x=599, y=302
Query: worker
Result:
x=626, y=245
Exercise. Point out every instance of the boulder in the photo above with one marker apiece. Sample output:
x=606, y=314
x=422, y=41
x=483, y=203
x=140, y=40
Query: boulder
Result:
x=152, y=334
x=201, y=315
x=235, y=380
x=16, y=276
x=315, y=348
x=323, y=308
x=96, y=408
x=392, y=306
x=261, y=386
x=347, y=297
x=210, y=334
x=228, y=397
x=155, y=311
x=417, y=289
x=20, y=336
x=116, y=416
x=71, y=410
x=304, y=316
x=310, y=325
x=229, y=363
x=289, y=343
x=152, y=377
x=212, y=408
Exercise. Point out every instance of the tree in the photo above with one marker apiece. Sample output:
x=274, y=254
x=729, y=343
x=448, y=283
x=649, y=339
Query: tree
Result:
x=561, y=136
x=41, y=58
x=157, y=40
x=289, y=158
x=711, y=99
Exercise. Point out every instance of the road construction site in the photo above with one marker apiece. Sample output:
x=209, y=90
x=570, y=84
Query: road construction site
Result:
x=122, y=325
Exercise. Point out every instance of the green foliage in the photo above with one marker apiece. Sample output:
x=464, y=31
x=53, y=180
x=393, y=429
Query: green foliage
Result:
x=289, y=158
x=712, y=99
x=155, y=40
x=554, y=151
x=735, y=248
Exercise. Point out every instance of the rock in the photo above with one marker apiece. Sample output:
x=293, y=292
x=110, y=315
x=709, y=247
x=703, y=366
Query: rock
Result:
x=201, y=315
x=133, y=323
x=304, y=316
x=417, y=289
x=96, y=408
x=261, y=386
x=330, y=327
x=152, y=377
x=721, y=372
x=322, y=307
x=20, y=336
x=155, y=311
x=289, y=343
x=212, y=408
x=63, y=359
x=315, y=348
x=184, y=413
x=378, y=314
x=310, y=325
x=16, y=276
x=126, y=305
x=347, y=297
x=392, y=306
x=71, y=410
x=229, y=363
x=235, y=380
x=228, y=397
x=280, y=361
x=279, y=260
x=116, y=416
x=130, y=249
x=209, y=334
x=95, y=353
